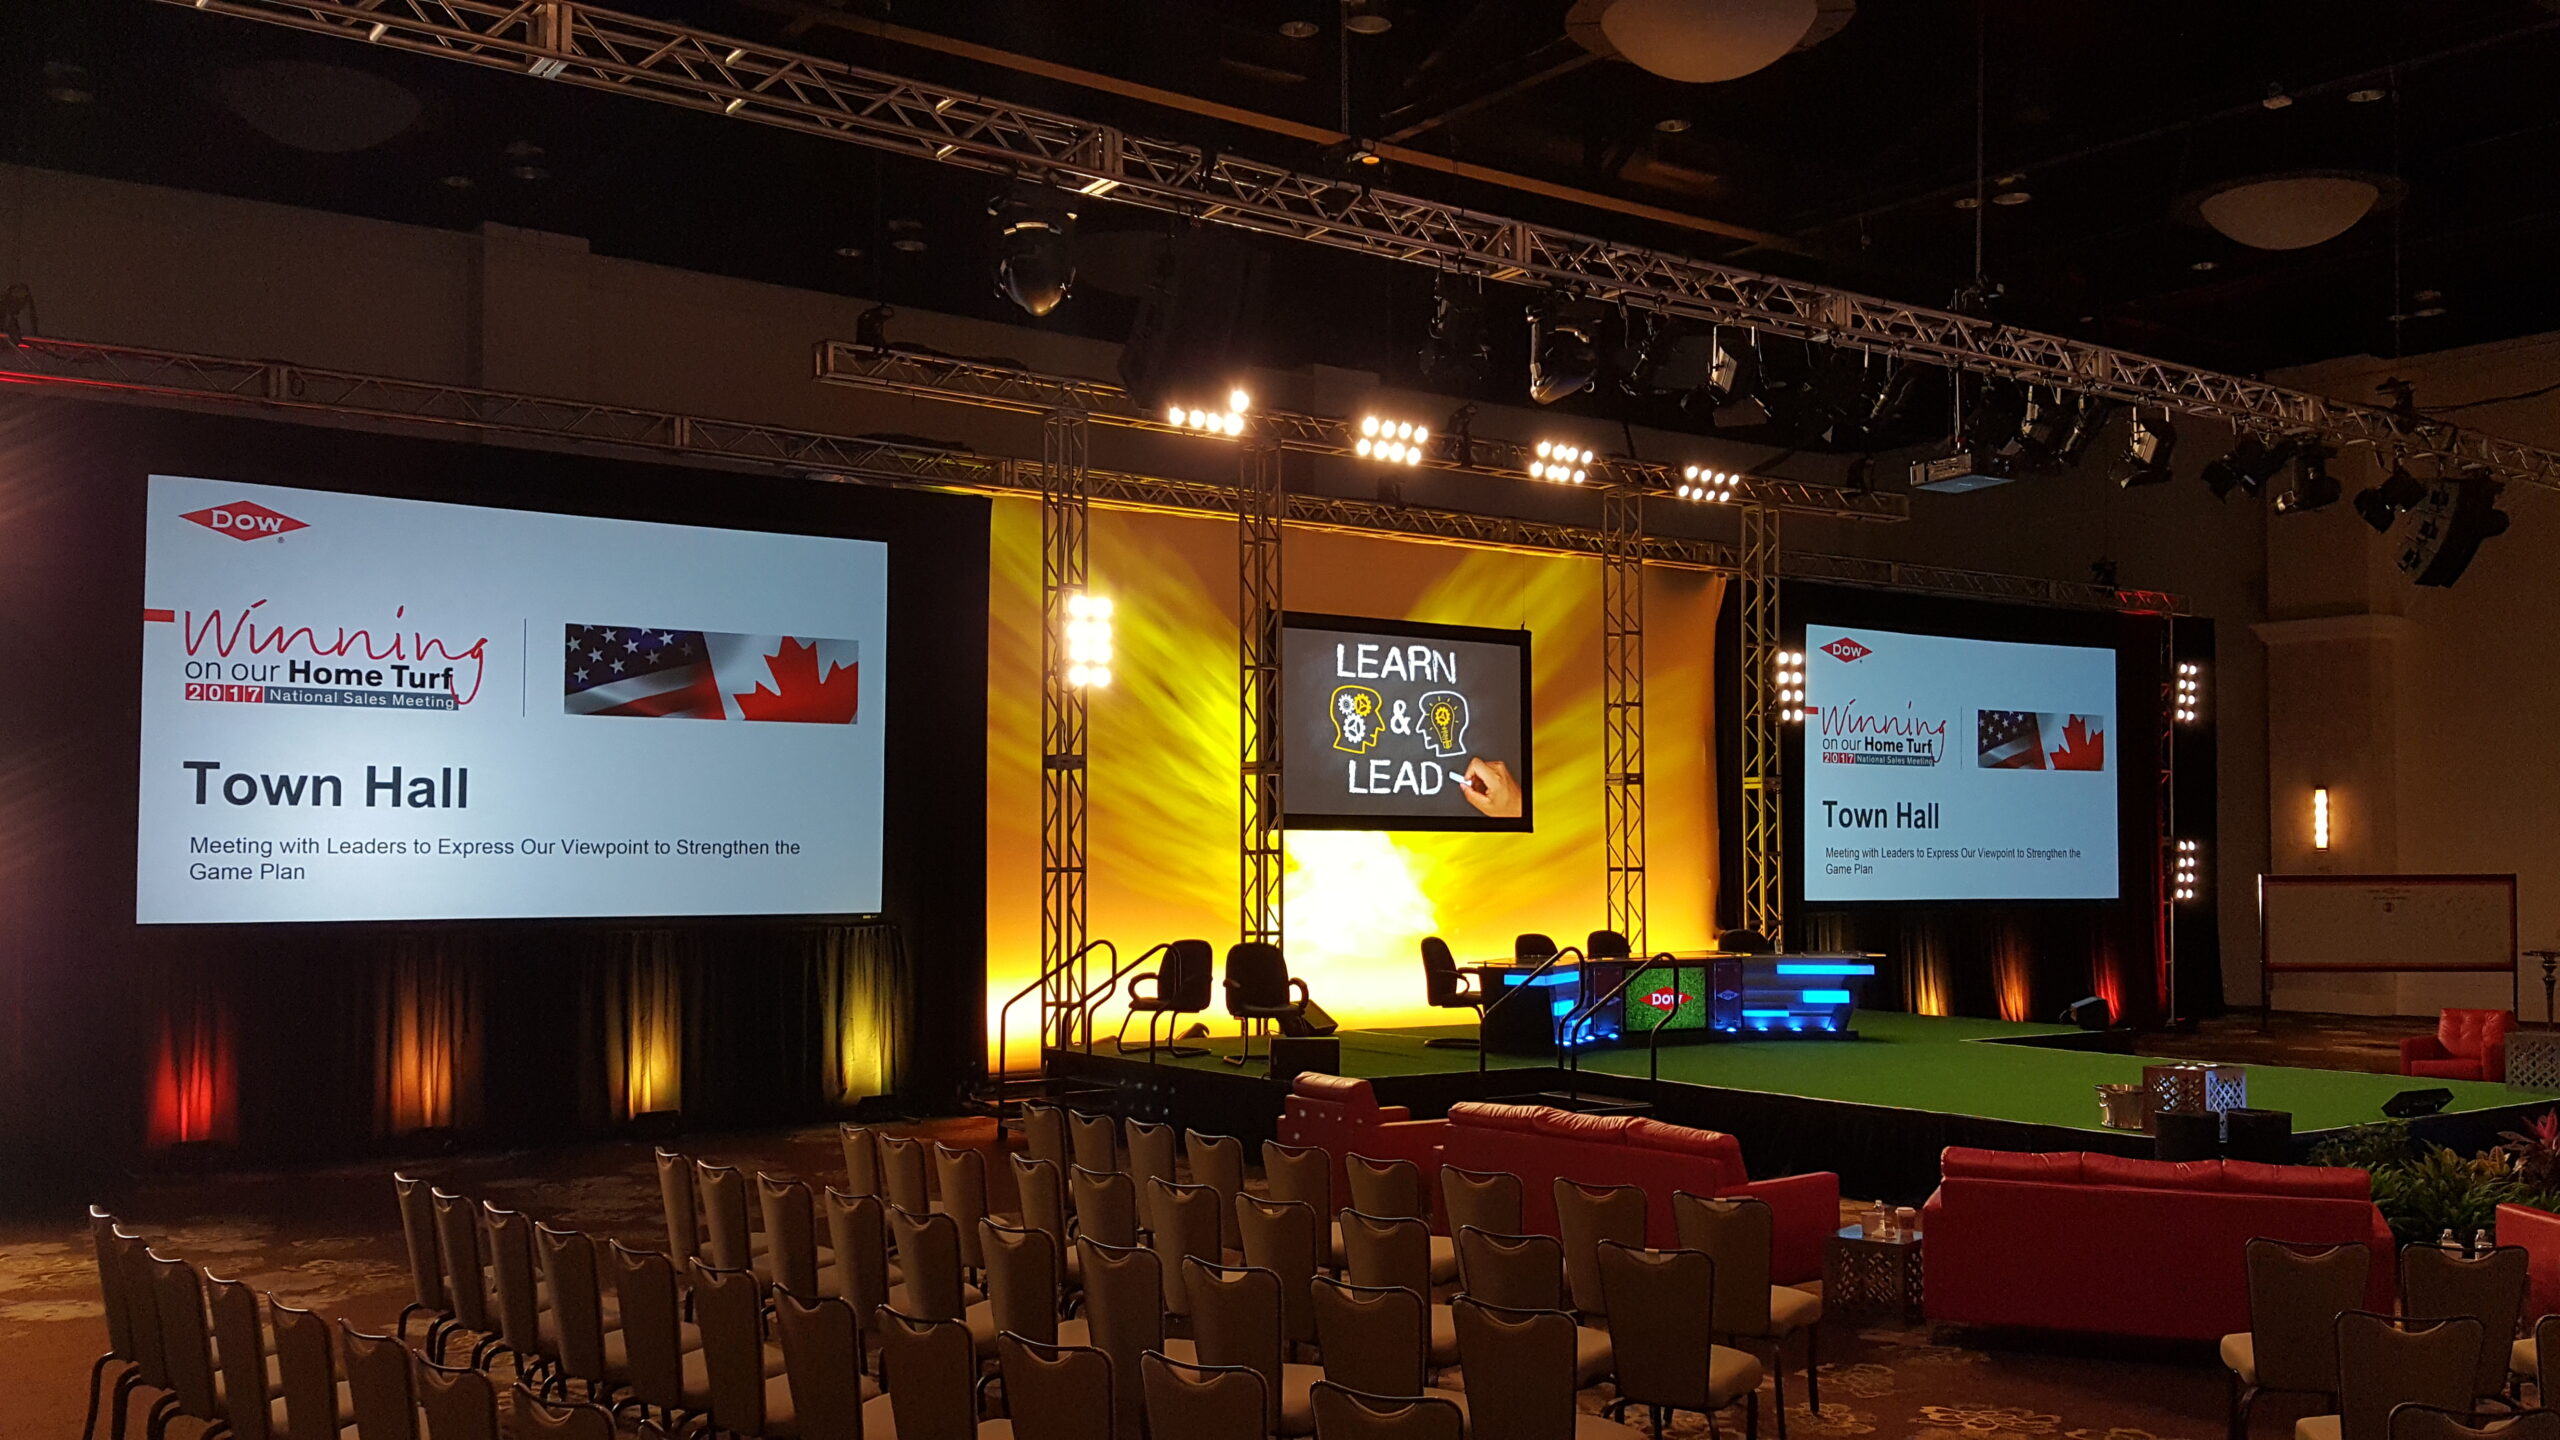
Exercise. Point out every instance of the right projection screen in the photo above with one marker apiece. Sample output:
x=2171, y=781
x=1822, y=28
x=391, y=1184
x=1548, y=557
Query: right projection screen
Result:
x=1941, y=768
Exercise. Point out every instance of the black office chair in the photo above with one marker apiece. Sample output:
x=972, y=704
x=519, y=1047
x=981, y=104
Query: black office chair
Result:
x=1606, y=945
x=1529, y=947
x=1743, y=942
x=1259, y=991
x=1180, y=986
x=1446, y=989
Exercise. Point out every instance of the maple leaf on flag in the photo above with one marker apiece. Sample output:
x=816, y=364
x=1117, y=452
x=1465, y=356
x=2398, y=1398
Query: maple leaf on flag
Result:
x=798, y=693
x=2081, y=748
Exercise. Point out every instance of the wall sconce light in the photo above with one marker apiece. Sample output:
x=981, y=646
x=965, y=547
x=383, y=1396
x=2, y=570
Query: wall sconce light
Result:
x=2320, y=817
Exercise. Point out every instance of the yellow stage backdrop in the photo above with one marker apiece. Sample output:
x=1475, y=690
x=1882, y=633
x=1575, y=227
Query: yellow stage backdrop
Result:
x=1165, y=794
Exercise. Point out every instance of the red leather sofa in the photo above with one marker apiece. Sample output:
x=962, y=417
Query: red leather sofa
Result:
x=1341, y=1115
x=2537, y=1233
x=2467, y=1045
x=2119, y=1246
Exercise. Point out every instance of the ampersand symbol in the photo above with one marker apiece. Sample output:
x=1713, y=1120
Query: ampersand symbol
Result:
x=1399, y=722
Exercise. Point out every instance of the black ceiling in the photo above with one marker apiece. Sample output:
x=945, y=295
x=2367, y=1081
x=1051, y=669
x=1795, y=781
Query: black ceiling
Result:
x=1850, y=155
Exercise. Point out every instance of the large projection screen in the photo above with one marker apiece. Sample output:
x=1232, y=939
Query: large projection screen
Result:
x=358, y=708
x=1395, y=725
x=1943, y=768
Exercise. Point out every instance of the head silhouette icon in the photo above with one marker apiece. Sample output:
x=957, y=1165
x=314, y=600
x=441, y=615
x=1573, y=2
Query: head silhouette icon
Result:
x=1357, y=723
x=1444, y=723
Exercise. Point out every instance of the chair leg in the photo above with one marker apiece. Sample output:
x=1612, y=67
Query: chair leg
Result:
x=1778, y=1375
x=1813, y=1368
x=1751, y=1417
x=97, y=1391
x=2241, y=1397
x=125, y=1386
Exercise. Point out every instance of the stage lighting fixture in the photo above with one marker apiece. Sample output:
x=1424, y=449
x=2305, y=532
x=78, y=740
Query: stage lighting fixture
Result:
x=1697, y=482
x=1398, y=442
x=2320, y=817
x=2145, y=460
x=1677, y=359
x=2190, y=692
x=2314, y=488
x=1036, y=264
x=2381, y=505
x=1460, y=349
x=1088, y=638
x=2253, y=459
x=1212, y=420
x=1560, y=462
x=1786, y=678
x=1563, y=355
x=2452, y=522
x=2185, y=878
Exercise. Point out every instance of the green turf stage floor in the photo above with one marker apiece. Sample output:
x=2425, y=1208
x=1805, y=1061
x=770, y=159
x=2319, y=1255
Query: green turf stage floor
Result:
x=1916, y=1062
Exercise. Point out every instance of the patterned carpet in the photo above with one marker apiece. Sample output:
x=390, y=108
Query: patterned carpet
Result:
x=329, y=1238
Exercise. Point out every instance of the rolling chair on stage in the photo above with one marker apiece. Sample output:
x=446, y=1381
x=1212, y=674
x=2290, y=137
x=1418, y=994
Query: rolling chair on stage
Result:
x=1446, y=989
x=1743, y=942
x=1181, y=987
x=1259, y=991
x=1529, y=947
x=1606, y=945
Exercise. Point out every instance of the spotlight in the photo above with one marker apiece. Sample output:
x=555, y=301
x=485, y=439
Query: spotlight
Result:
x=1398, y=442
x=1459, y=349
x=2382, y=504
x=1563, y=357
x=1697, y=482
x=1676, y=359
x=2314, y=488
x=1036, y=264
x=1228, y=421
x=2452, y=522
x=2252, y=460
x=1088, y=637
x=1560, y=462
x=1786, y=679
x=2145, y=460
x=2189, y=695
x=2186, y=875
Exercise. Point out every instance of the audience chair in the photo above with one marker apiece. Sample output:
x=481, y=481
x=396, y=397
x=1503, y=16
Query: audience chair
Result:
x=905, y=1174
x=1124, y=1318
x=1588, y=1217
x=1022, y=1281
x=1203, y=1402
x=1042, y=1189
x=426, y=1271
x=1304, y=1174
x=1283, y=1236
x=537, y=1418
x=1662, y=1337
x=1374, y=1338
x=572, y=1329
x=2386, y=1361
x=2529, y=1363
x=858, y=1232
x=2489, y=1288
x=1044, y=1135
x=1094, y=1141
x=2296, y=1294
x=379, y=1385
x=1057, y=1392
x=1490, y=1200
x=931, y=1367
x=1526, y=1272
x=790, y=1236
x=460, y=1403
x=1443, y=988
x=1521, y=1376
x=654, y=1369
x=316, y=1404
x=1217, y=1161
x=1106, y=1206
x=962, y=1174
x=1380, y=1251
x=1260, y=993
x=1739, y=1236
x=728, y=1236
x=1151, y=1153
x=186, y=1342
x=928, y=1245
x=1236, y=1319
x=242, y=1365
x=1393, y=1189
x=133, y=1274
x=822, y=1364
x=683, y=1211
x=515, y=1277
x=1182, y=1223
x=861, y=1147
x=2426, y=1422
x=1179, y=985
x=120, y=1320
x=1346, y=1414
x=728, y=1306
x=466, y=1283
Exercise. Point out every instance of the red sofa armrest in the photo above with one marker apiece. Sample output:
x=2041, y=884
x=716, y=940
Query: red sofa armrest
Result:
x=2538, y=1232
x=1804, y=1213
x=2493, y=1058
x=2414, y=1048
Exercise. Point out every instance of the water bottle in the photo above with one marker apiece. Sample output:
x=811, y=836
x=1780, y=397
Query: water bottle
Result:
x=2483, y=1242
x=2448, y=1241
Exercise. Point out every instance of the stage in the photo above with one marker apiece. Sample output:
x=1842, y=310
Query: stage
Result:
x=1877, y=1109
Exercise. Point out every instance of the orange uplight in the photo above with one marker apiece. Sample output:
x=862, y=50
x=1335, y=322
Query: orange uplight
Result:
x=194, y=1078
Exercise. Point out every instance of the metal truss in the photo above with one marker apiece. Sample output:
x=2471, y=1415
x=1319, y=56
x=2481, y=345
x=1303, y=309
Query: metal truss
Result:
x=923, y=375
x=1065, y=493
x=1763, y=813
x=2165, y=813
x=1622, y=707
x=1260, y=502
x=1878, y=574
x=600, y=49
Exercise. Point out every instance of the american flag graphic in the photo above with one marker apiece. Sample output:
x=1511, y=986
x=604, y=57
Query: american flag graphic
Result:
x=645, y=671
x=2010, y=740
x=2027, y=740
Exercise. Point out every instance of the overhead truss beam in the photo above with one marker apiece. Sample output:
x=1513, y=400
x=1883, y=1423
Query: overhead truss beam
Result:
x=607, y=50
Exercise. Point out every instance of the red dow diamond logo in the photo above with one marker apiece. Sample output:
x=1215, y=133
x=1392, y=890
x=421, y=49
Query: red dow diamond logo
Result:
x=245, y=520
x=1845, y=648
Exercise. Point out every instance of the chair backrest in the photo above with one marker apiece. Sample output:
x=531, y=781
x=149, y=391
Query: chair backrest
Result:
x=2467, y=1033
x=931, y=1368
x=514, y=1272
x=577, y=1300
x=1439, y=973
x=1490, y=1200
x=379, y=1385
x=1285, y=1238
x=2386, y=1361
x=1343, y=1413
x=822, y=1353
x=1236, y=1320
x=1301, y=1173
x=1512, y=1272
x=1392, y=1188
x=1022, y=1280
x=112, y=1295
x=1520, y=1375
x=1124, y=1313
x=929, y=1256
x=1661, y=1339
x=676, y=1199
x=861, y=1158
x=458, y=1240
x=1744, y=941
x=132, y=1268
x=240, y=1340
x=305, y=1372
x=644, y=1282
x=1386, y=1250
x=1094, y=1141
x=1044, y=1135
x=2489, y=1288
x=459, y=1402
x=1187, y=977
x=905, y=1178
x=1056, y=1392
x=1182, y=1223
x=1530, y=945
x=1605, y=945
x=1738, y=1235
x=1204, y=1402
x=858, y=1233
x=728, y=1237
x=1106, y=1204
x=790, y=1233
x=728, y=1311
x=418, y=1242
x=1257, y=976
x=1217, y=1161
x=962, y=1174
x=1374, y=1338
x=2295, y=1296
x=1041, y=1189
x=2546, y=1356
x=536, y=1418
x=1587, y=1216
x=2426, y=1422
x=1151, y=1153
x=185, y=1337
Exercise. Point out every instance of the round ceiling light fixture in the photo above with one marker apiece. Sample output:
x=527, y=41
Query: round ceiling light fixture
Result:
x=2293, y=210
x=1298, y=29
x=322, y=108
x=1701, y=42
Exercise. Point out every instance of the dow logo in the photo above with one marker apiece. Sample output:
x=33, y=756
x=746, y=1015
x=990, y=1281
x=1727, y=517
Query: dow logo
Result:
x=245, y=520
x=1845, y=649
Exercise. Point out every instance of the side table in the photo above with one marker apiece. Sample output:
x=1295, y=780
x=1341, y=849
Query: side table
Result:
x=2533, y=1059
x=1863, y=1276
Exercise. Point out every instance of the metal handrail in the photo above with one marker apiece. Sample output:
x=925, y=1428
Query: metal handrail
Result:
x=1086, y=1002
x=1653, y=1037
x=1635, y=967
x=1505, y=998
x=1004, y=1013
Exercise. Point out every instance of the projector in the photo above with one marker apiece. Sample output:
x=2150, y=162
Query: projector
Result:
x=1962, y=471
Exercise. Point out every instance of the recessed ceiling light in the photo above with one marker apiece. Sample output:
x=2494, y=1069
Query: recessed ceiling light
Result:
x=1365, y=23
x=907, y=236
x=1298, y=29
x=67, y=83
x=456, y=182
x=2011, y=197
x=2202, y=265
x=1671, y=125
x=849, y=252
x=522, y=150
x=2424, y=296
x=2427, y=312
x=1967, y=202
x=2276, y=98
x=529, y=172
x=2017, y=179
x=2365, y=96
